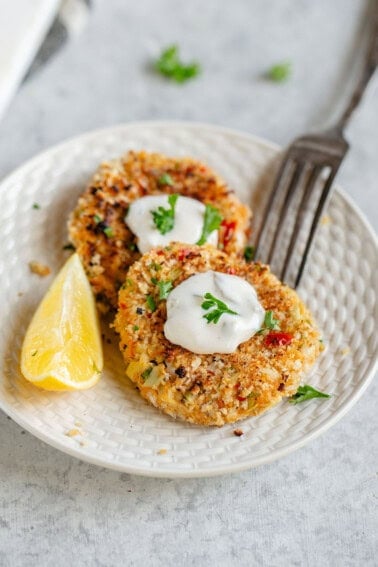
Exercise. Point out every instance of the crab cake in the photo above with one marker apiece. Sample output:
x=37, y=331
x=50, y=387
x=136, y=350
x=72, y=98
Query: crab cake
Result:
x=211, y=389
x=104, y=242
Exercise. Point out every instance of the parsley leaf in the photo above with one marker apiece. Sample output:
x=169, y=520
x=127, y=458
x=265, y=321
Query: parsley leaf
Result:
x=97, y=219
x=146, y=373
x=36, y=206
x=164, y=288
x=151, y=303
x=270, y=323
x=217, y=306
x=249, y=253
x=108, y=231
x=212, y=220
x=280, y=72
x=164, y=219
x=165, y=179
x=170, y=66
x=155, y=266
x=305, y=393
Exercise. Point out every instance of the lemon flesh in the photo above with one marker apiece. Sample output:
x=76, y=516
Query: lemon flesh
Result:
x=62, y=347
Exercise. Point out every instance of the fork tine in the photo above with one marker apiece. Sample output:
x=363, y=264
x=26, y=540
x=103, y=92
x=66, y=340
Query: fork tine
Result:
x=279, y=182
x=302, y=209
x=318, y=212
x=293, y=185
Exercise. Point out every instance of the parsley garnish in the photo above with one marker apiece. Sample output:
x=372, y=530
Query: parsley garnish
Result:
x=212, y=220
x=249, y=253
x=280, y=72
x=36, y=206
x=155, y=266
x=151, y=303
x=165, y=179
x=219, y=308
x=164, y=287
x=108, y=231
x=164, y=219
x=97, y=218
x=305, y=393
x=146, y=373
x=135, y=328
x=170, y=66
x=270, y=322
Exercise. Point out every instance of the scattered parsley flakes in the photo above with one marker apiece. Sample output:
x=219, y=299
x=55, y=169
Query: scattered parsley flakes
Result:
x=165, y=179
x=151, y=303
x=169, y=65
x=270, y=322
x=36, y=206
x=135, y=328
x=146, y=373
x=305, y=393
x=280, y=72
x=249, y=253
x=108, y=231
x=164, y=289
x=97, y=219
x=164, y=219
x=217, y=306
x=212, y=220
x=155, y=266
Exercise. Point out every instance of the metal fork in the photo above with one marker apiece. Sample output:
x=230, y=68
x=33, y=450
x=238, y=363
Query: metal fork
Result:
x=303, y=186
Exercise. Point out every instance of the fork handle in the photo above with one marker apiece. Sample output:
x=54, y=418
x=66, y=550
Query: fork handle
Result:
x=370, y=65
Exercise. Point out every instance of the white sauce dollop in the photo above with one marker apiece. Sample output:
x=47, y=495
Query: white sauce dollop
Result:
x=187, y=327
x=189, y=218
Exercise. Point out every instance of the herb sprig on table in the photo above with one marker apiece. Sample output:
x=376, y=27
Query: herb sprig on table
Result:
x=170, y=65
x=280, y=72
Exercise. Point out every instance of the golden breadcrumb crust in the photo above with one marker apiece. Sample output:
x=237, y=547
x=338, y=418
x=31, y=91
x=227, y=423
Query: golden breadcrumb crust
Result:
x=102, y=239
x=211, y=389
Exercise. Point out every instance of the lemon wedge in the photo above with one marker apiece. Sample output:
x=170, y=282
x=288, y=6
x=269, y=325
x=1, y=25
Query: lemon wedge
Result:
x=62, y=347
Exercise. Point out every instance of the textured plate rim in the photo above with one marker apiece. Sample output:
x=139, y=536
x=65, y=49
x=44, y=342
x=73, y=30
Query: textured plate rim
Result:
x=224, y=469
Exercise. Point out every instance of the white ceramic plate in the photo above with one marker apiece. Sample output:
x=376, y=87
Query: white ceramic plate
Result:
x=117, y=429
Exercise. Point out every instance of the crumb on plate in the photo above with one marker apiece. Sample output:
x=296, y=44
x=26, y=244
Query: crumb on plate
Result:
x=39, y=269
x=72, y=432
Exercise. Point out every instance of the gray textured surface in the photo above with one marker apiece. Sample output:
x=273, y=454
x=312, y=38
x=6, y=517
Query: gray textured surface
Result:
x=317, y=506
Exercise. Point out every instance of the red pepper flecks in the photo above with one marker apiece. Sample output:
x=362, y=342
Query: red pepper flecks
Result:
x=277, y=338
x=228, y=229
x=182, y=254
